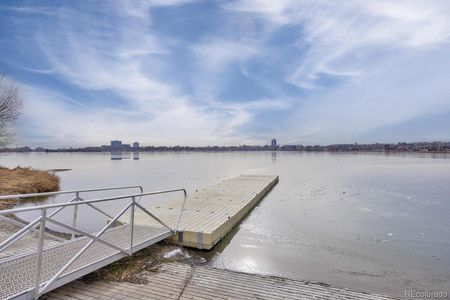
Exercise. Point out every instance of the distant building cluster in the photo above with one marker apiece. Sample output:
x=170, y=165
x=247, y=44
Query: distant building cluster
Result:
x=378, y=147
x=117, y=146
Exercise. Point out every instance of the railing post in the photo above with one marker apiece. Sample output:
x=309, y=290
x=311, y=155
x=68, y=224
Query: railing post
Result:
x=131, y=224
x=39, y=253
x=82, y=250
x=181, y=211
x=75, y=213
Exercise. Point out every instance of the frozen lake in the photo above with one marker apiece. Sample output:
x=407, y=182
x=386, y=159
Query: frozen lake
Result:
x=369, y=221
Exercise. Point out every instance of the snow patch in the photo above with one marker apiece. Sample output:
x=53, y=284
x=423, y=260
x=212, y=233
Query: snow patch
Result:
x=173, y=253
x=176, y=252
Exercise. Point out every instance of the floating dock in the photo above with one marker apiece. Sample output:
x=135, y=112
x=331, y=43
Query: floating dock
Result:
x=210, y=213
x=207, y=216
x=182, y=281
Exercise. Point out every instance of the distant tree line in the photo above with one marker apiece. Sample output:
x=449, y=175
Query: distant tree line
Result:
x=443, y=147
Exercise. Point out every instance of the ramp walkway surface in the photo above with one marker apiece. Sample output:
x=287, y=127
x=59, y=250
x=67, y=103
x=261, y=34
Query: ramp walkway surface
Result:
x=26, y=244
x=17, y=273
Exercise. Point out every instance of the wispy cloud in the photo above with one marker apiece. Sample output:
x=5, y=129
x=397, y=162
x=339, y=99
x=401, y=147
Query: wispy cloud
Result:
x=187, y=72
x=217, y=54
x=122, y=57
x=374, y=62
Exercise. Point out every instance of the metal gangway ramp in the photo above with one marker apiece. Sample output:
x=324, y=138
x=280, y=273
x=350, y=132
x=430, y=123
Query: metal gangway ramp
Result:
x=27, y=273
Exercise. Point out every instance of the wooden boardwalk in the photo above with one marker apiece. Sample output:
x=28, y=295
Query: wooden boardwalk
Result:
x=210, y=213
x=182, y=281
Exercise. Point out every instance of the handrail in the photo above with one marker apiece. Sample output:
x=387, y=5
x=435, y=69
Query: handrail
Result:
x=75, y=199
x=49, y=206
x=71, y=192
x=40, y=221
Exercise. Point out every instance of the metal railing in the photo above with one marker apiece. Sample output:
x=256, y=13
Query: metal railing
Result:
x=45, y=217
x=74, y=199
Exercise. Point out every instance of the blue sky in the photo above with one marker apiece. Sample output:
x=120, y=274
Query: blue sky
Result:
x=171, y=72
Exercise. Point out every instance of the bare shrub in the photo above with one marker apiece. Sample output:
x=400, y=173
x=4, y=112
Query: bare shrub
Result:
x=10, y=105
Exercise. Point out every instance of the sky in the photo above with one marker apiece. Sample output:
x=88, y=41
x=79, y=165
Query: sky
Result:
x=175, y=72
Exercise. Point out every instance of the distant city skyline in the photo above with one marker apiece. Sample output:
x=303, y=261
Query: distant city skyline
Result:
x=117, y=149
x=269, y=142
x=202, y=73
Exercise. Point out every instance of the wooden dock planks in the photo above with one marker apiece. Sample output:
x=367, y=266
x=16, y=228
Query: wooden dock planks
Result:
x=212, y=212
x=182, y=281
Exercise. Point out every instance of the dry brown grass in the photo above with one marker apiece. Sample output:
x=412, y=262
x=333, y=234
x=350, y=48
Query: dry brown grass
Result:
x=24, y=181
x=132, y=268
x=127, y=269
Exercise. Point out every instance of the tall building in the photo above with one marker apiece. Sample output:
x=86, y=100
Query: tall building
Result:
x=116, y=145
x=135, y=150
x=273, y=144
x=116, y=150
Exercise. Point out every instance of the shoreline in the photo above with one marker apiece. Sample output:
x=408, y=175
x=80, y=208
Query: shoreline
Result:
x=21, y=180
x=234, y=151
